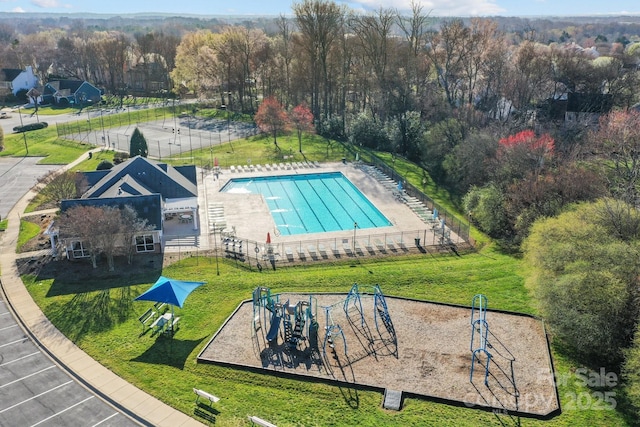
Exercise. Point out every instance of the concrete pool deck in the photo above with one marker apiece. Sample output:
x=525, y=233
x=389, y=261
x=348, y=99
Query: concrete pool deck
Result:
x=249, y=216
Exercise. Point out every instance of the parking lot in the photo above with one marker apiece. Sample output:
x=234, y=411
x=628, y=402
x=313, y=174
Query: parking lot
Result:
x=34, y=391
x=18, y=175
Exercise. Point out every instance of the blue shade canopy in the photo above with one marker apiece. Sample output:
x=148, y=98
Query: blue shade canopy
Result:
x=169, y=291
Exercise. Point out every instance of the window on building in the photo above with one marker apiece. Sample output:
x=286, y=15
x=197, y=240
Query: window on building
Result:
x=144, y=243
x=79, y=250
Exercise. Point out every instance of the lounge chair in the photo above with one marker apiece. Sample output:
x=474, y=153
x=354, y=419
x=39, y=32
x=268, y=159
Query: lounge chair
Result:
x=368, y=245
x=322, y=249
x=347, y=248
x=301, y=253
x=312, y=250
x=289, y=252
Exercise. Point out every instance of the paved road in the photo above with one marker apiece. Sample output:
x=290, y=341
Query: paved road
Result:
x=34, y=391
x=14, y=119
x=17, y=176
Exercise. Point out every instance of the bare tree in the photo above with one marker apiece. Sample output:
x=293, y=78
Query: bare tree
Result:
x=448, y=51
x=112, y=50
x=320, y=25
x=414, y=29
x=617, y=143
x=102, y=230
x=373, y=33
x=285, y=52
x=61, y=186
x=131, y=226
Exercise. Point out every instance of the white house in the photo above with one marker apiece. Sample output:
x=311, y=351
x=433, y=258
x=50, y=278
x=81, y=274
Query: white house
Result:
x=15, y=80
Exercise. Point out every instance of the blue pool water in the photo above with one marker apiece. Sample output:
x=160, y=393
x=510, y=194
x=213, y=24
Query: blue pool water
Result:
x=311, y=203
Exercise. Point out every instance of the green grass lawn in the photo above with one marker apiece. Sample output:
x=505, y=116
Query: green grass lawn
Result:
x=3, y=224
x=261, y=149
x=43, y=143
x=28, y=230
x=96, y=310
x=100, y=316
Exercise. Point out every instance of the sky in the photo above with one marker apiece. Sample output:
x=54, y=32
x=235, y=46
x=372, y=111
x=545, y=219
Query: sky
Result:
x=277, y=7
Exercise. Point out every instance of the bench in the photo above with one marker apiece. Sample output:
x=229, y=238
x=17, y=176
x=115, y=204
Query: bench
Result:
x=201, y=393
x=260, y=422
x=147, y=317
x=159, y=306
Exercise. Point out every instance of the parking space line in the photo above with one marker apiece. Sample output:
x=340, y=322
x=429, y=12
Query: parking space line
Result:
x=64, y=410
x=5, y=313
x=106, y=419
x=36, y=396
x=9, y=327
x=13, y=342
x=19, y=359
x=30, y=375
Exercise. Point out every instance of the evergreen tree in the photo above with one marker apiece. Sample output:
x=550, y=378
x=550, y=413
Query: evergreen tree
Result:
x=138, y=145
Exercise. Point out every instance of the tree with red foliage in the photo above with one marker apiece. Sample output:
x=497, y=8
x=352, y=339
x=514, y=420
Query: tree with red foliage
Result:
x=521, y=154
x=529, y=139
x=302, y=119
x=272, y=118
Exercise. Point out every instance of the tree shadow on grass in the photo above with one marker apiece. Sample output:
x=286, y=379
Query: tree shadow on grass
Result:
x=169, y=351
x=91, y=312
x=80, y=277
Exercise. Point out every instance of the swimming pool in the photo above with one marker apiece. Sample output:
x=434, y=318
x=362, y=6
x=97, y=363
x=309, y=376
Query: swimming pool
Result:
x=311, y=203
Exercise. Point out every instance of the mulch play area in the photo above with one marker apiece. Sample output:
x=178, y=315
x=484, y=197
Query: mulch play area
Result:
x=421, y=349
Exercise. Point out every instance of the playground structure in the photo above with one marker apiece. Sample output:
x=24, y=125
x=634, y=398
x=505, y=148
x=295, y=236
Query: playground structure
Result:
x=423, y=351
x=353, y=307
x=480, y=326
x=298, y=320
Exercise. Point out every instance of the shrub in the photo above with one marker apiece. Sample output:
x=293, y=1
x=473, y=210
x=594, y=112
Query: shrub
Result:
x=120, y=157
x=30, y=126
x=104, y=165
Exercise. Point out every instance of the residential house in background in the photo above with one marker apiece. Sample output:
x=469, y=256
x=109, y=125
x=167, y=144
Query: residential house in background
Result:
x=71, y=92
x=148, y=74
x=13, y=80
x=161, y=194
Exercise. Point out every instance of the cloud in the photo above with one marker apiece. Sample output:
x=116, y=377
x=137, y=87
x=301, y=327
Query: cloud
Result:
x=435, y=7
x=46, y=4
x=18, y=10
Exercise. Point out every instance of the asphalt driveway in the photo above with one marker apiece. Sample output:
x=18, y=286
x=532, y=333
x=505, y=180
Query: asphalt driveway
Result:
x=17, y=176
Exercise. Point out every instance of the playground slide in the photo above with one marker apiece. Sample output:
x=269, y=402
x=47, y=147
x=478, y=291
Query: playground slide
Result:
x=273, y=330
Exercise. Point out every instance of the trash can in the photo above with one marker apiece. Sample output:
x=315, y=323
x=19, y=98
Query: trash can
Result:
x=344, y=160
x=417, y=239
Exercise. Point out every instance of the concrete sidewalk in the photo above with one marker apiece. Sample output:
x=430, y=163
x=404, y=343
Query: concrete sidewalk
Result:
x=124, y=396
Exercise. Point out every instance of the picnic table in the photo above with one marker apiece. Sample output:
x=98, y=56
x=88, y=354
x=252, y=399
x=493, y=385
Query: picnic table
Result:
x=166, y=323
